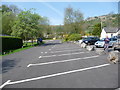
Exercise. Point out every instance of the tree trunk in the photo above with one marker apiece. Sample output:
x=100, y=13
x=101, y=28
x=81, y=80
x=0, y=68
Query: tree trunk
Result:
x=32, y=41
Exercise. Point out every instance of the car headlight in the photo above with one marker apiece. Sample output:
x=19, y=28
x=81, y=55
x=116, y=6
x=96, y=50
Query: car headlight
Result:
x=86, y=41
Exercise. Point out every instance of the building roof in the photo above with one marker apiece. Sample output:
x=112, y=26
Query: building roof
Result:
x=111, y=29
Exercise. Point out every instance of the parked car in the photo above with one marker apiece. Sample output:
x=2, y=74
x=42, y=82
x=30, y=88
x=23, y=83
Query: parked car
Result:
x=80, y=41
x=101, y=42
x=117, y=44
x=90, y=40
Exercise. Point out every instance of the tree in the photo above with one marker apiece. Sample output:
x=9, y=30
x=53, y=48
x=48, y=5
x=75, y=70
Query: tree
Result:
x=44, y=27
x=57, y=31
x=5, y=8
x=73, y=20
x=9, y=14
x=97, y=29
x=26, y=25
x=7, y=22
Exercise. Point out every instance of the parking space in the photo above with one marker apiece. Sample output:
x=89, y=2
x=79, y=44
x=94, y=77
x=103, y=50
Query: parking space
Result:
x=67, y=66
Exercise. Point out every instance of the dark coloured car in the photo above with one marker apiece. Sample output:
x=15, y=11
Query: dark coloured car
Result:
x=90, y=40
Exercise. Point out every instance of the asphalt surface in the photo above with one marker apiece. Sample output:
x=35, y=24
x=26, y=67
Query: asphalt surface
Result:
x=58, y=65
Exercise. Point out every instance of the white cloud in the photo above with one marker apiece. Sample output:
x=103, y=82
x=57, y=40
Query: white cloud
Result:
x=54, y=9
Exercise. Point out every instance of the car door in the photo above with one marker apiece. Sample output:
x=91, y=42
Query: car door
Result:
x=112, y=41
x=94, y=40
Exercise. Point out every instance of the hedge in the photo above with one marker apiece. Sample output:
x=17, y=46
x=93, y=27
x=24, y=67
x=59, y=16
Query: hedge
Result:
x=11, y=43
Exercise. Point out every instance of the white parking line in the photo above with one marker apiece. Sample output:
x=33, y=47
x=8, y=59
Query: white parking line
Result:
x=64, y=51
x=40, y=57
x=52, y=75
x=53, y=46
x=67, y=49
x=62, y=54
x=6, y=83
x=68, y=60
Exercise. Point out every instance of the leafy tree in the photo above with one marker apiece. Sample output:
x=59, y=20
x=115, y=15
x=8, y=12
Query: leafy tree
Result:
x=5, y=8
x=7, y=22
x=97, y=29
x=73, y=20
x=29, y=25
x=9, y=14
x=26, y=25
x=15, y=9
x=57, y=31
x=44, y=27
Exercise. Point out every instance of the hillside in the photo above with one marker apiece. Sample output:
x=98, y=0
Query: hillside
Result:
x=110, y=20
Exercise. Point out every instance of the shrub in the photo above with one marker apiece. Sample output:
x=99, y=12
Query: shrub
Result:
x=10, y=43
x=74, y=37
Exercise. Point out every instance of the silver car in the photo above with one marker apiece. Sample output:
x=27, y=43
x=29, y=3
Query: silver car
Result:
x=101, y=42
x=117, y=44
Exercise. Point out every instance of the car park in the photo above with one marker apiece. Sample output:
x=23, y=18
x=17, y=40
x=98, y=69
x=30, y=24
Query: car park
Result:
x=101, y=42
x=90, y=40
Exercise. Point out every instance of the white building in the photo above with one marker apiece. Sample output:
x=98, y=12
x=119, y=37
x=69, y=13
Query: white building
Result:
x=110, y=32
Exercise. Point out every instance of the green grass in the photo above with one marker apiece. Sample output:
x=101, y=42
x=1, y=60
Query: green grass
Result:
x=29, y=44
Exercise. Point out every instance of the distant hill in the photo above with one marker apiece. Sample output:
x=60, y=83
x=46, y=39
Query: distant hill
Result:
x=110, y=20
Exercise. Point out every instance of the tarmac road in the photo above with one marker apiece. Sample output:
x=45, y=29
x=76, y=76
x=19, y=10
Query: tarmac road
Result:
x=58, y=65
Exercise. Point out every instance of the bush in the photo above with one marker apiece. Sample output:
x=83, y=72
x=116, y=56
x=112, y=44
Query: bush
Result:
x=74, y=37
x=11, y=43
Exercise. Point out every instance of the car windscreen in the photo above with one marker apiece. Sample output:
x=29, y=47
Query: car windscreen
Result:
x=102, y=39
x=118, y=37
x=113, y=39
x=89, y=38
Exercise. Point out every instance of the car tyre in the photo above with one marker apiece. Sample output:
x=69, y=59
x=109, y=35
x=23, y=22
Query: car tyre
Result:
x=114, y=48
x=96, y=46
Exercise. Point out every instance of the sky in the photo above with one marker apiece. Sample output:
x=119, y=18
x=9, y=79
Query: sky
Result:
x=55, y=10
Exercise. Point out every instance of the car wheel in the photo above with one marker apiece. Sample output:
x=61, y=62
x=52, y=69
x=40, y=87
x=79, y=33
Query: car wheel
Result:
x=114, y=48
x=96, y=46
x=119, y=50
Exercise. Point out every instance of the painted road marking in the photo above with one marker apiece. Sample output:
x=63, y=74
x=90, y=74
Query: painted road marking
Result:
x=49, y=49
x=61, y=55
x=45, y=52
x=64, y=51
x=53, y=46
x=52, y=75
x=6, y=83
x=68, y=60
x=67, y=49
x=40, y=56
